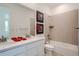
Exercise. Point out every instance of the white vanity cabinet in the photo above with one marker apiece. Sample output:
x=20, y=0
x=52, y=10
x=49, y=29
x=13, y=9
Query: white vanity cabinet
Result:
x=35, y=48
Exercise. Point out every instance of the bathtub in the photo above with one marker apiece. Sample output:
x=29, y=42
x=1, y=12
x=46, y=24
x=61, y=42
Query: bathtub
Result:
x=65, y=49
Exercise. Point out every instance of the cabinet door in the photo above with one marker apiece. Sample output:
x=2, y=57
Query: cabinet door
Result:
x=35, y=49
x=40, y=50
x=14, y=51
x=21, y=54
x=32, y=52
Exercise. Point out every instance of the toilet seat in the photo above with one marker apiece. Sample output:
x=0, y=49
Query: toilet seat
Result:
x=49, y=47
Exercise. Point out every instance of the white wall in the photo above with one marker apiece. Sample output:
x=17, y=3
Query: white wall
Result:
x=61, y=23
x=47, y=19
x=62, y=28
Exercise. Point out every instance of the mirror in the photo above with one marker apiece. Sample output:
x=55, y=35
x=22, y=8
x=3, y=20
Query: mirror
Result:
x=4, y=22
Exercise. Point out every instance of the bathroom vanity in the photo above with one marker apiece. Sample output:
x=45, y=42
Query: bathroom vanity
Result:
x=32, y=47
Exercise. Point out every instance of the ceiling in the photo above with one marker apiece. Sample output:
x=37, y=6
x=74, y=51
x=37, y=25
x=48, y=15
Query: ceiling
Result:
x=50, y=5
x=44, y=7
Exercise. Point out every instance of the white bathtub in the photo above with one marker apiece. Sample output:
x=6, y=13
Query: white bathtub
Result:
x=65, y=48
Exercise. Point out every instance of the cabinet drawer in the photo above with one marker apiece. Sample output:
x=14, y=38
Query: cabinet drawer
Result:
x=35, y=49
x=13, y=52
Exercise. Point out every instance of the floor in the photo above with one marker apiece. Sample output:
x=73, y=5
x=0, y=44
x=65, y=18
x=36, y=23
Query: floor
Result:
x=51, y=53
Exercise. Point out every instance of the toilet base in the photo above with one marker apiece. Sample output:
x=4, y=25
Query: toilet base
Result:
x=48, y=50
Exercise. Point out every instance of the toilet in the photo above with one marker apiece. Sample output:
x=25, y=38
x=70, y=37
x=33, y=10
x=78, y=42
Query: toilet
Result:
x=49, y=49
